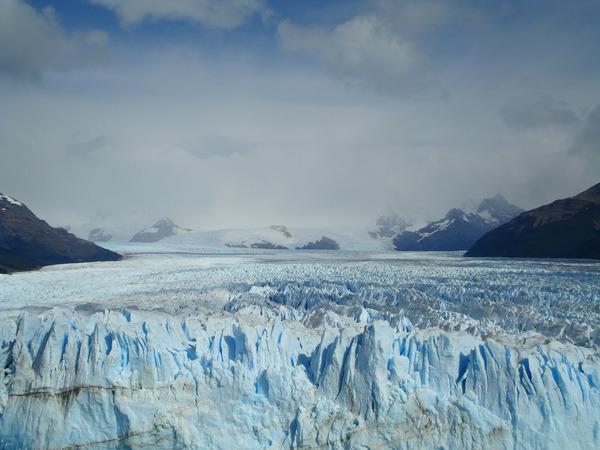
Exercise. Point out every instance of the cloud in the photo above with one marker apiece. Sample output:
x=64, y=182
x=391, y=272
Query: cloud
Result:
x=379, y=47
x=534, y=112
x=32, y=41
x=160, y=128
x=225, y=14
x=362, y=49
x=414, y=16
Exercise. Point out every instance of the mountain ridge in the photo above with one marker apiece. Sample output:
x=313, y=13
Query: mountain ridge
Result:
x=458, y=230
x=565, y=228
x=28, y=242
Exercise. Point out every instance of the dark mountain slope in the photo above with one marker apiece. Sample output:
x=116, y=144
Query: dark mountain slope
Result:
x=566, y=228
x=27, y=242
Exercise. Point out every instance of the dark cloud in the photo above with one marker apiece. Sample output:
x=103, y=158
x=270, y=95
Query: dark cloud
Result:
x=540, y=111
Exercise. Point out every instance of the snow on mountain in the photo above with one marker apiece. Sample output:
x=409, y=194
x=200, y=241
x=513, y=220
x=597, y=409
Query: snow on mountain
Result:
x=12, y=201
x=247, y=352
x=276, y=237
x=120, y=226
x=458, y=230
x=118, y=229
x=497, y=210
x=161, y=229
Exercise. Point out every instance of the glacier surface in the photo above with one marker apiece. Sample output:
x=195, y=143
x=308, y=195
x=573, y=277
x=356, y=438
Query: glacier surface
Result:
x=286, y=350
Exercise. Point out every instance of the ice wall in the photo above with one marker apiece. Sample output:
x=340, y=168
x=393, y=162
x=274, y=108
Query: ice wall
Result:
x=260, y=375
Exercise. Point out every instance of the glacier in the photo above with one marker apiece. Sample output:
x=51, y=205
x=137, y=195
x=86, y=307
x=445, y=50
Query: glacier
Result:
x=291, y=350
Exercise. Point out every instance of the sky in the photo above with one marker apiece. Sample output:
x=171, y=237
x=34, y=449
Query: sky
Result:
x=242, y=113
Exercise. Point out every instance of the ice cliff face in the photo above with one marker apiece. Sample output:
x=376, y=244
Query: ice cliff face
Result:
x=237, y=363
x=129, y=378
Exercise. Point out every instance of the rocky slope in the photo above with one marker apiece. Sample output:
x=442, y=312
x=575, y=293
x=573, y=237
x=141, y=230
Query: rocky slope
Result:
x=458, y=230
x=566, y=228
x=27, y=242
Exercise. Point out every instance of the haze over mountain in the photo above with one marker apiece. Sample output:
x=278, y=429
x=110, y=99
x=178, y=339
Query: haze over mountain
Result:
x=389, y=225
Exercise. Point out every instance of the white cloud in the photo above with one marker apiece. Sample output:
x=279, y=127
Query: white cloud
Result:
x=413, y=16
x=379, y=47
x=226, y=14
x=363, y=49
x=32, y=41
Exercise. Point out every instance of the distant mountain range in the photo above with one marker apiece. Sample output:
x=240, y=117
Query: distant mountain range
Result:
x=105, y=227
x=117, y=228
x=566, y=228
x=275, y=237
x=458, y=230
x=279, y=237
x=27, y=242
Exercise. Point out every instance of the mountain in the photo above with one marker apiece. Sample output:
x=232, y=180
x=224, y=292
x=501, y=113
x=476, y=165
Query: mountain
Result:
x=324, y=243
x=458, y=230
x=274, y=237
x=388, y=226
x=120, y=226
x=497, y=210
x=99, y=235
x=566, y=228
x=27, y=242
x=162, y=229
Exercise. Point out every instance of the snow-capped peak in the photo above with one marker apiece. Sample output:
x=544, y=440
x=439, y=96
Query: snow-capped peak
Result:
x=10, y=200
x=497, y=209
